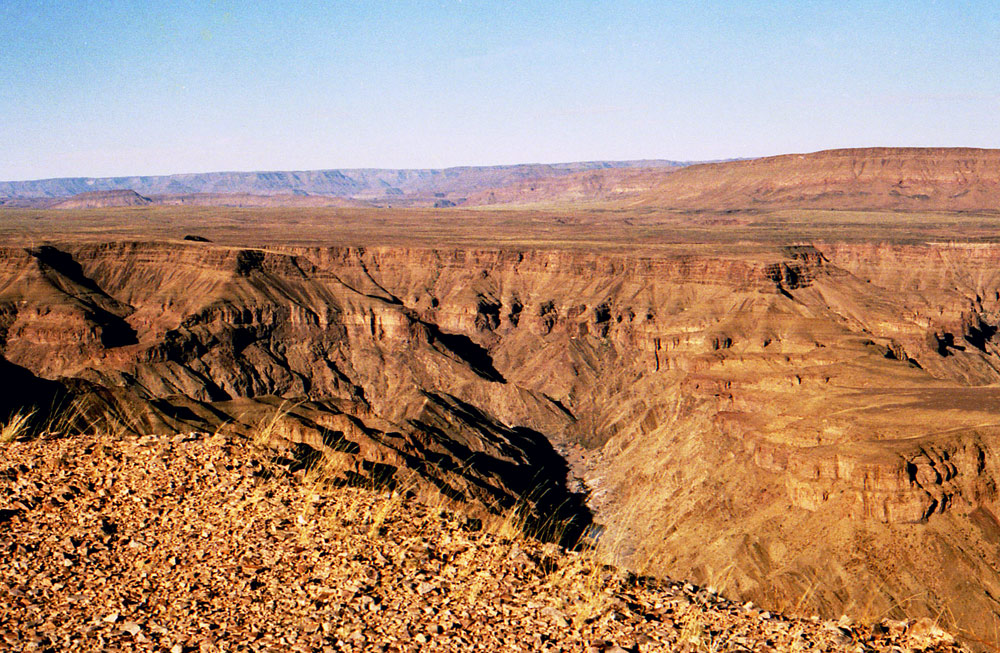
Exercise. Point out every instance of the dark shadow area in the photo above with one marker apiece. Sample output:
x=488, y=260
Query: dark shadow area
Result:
x=26, y=393
x=530, y=474
x=561, y=406
x=115, y=331
x=943, y=343
x=249, y=261
x=302, y=457
x=487, y=313
x=380, y=476
x=464, y=348
x=337, y=441
x=173, y=411
x=68, y=406
x=979, y=334
x=64, y=264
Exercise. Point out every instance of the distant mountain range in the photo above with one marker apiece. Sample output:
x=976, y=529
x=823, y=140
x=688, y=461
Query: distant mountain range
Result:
x=373, y=185
x=877, y=178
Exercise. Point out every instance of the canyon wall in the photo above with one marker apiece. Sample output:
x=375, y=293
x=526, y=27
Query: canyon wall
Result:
x=810, y=427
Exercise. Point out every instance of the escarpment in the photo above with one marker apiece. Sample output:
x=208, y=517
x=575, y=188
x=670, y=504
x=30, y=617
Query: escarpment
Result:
x=876, y=178
x=808, y=426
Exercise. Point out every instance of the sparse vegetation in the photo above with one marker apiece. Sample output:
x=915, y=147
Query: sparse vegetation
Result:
x=284, y=559
x=15, y=427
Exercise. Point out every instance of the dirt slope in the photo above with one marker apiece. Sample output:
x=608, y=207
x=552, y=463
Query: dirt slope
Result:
x=873, y=178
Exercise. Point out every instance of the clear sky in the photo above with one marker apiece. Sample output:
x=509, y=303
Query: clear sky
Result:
x=104, y=87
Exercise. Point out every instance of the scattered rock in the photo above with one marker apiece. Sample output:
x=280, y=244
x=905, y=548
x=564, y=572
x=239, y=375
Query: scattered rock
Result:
x=182, y=548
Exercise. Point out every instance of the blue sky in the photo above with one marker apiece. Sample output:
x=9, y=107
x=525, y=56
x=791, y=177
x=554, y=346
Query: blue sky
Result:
x=99, y=88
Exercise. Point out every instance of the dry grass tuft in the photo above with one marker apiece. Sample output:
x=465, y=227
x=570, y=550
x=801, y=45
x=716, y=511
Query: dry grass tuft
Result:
x=16, y=427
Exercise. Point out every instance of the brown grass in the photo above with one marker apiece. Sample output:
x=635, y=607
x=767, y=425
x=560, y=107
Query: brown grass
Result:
x=16, y=427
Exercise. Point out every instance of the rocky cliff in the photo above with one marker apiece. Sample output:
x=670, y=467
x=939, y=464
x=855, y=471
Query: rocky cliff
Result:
x=808, y=426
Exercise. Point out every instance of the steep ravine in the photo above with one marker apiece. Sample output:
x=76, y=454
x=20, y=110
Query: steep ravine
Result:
x=810, y=427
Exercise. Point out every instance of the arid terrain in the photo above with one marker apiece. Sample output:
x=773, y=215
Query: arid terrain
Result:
x=778, y=378
x=199, y=542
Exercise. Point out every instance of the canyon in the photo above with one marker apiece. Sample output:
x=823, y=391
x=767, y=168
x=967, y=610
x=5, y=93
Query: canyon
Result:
x=776, y=377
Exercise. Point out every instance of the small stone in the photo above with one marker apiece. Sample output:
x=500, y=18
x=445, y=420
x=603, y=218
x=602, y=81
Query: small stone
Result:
x=556, y=616
x=111, y=618
x=894, y=627
x=925, y=632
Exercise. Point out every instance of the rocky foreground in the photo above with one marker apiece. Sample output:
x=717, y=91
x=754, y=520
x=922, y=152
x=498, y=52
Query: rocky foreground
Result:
x=201, y=543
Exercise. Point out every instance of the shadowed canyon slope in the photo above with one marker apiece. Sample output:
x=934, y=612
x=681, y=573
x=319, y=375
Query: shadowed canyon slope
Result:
x=953, y=179
x=173, y=337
